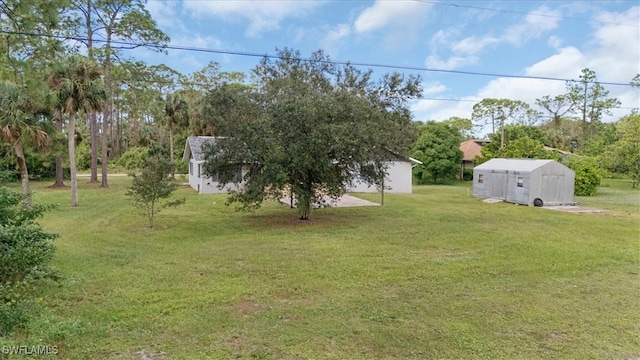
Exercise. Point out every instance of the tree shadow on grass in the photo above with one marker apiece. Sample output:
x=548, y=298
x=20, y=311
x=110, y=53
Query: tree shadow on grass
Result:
x=318, y=218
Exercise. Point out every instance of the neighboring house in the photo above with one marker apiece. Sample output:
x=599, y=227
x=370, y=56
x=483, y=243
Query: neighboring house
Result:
x=398, y=179
x=197, y=179
x=524, y=181
x=470, y=149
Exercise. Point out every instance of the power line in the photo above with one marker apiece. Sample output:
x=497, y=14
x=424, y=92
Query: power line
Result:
x=449, y=4
x=525, y=13
x=335, y=62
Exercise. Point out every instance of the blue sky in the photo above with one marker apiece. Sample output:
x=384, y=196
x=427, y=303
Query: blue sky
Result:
x=524, y=38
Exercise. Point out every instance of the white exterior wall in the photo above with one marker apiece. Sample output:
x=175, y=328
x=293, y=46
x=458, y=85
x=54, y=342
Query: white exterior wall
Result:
x=203, y=184
x=398, y=180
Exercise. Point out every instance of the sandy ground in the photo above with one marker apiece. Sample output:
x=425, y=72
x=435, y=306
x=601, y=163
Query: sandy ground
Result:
x=566, y=208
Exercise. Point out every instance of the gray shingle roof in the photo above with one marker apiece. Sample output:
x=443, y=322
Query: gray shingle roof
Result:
x=193, y=147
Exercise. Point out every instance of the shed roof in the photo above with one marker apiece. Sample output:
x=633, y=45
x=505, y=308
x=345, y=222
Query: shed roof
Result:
x=513, y=164
x=193, y=147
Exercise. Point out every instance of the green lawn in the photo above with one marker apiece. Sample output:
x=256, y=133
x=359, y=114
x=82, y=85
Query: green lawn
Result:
x=435, y=274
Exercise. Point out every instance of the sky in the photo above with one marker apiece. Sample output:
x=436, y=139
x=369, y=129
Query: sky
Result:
x=554, y=39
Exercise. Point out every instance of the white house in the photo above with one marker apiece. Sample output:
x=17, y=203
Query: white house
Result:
x=197, y=179
x=398, y=179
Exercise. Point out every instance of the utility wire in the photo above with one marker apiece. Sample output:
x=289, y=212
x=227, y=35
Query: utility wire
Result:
x=524, y=13
x=277, y=57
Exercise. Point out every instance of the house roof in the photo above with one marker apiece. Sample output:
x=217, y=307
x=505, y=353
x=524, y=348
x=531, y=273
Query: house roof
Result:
x=193, y=147
x=561, y=152
x=513, y=164
x=472, y=148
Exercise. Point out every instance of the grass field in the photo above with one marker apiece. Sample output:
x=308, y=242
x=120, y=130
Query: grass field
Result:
x=436, y=274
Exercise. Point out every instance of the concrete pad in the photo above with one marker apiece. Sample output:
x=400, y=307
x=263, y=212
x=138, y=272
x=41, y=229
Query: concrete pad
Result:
x=345, y=200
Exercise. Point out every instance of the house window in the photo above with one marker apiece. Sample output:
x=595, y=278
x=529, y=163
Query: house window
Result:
x=520, y=181
x=199, y=169
x=190, y=168
x=480, y=178
x=215, y=177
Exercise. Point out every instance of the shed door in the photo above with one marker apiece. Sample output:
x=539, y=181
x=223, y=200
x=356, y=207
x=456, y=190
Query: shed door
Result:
x=499, y=182
x=552, y=188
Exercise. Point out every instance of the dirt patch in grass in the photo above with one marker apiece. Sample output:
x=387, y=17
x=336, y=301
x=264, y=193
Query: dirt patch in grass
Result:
x=574, y=209
x=55, y=186
x=143, y=355
x=245, y=308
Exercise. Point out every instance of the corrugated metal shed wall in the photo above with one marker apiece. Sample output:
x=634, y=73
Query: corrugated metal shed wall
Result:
x=521, y=181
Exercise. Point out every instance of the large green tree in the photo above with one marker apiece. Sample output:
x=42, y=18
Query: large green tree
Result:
x=501, y=112
x=627, y=148
x=592, y=101
x=437, y=147
x=77, y=85
x=318, y=127
x=520, y=141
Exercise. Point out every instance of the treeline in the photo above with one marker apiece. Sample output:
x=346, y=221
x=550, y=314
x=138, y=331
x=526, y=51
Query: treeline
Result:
x=567, y=127
x=65, y=70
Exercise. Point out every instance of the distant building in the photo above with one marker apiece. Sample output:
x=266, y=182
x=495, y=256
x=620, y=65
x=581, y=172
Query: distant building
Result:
x=470, y=149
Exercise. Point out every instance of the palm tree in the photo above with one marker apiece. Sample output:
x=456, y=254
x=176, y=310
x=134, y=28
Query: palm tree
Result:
x=176, y=114
x=77, y=84
x=18, y=123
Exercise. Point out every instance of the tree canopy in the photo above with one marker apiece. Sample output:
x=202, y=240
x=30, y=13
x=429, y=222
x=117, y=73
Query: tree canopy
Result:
x=320, y=127
x=437, y=148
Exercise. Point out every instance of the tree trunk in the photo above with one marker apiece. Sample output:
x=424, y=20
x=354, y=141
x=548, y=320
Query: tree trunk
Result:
x=59, y=167
x=173, y=167
x=93, y=124
x=72, y=158
x=105, y=155
x=24, y=175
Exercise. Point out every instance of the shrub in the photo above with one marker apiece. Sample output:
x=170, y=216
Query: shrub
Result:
x=588, y=175
x=25, y=254
x=133, y=159
x=152, y=186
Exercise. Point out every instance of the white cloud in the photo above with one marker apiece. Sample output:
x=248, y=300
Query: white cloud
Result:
x=566, y=63
x=554, y=41
x=164, y=13
x=262, y=15
x=533, y=27
x=384, y=13
x=474, y=44
x=433, y=88
x=454, y=62
x=334, y=37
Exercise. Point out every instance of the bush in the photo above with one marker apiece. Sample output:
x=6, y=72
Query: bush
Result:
x=25, y=254
x=588, y=175
x=153, y=185
x=133, y=159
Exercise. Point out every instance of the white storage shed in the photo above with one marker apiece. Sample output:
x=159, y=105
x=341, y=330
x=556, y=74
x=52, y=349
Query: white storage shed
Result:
x=524, y=181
